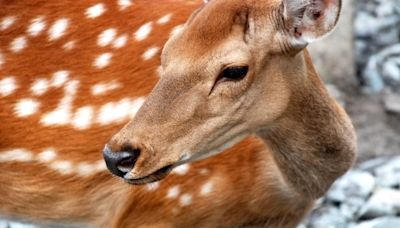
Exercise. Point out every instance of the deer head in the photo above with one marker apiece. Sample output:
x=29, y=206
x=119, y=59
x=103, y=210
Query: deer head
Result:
x=228, y=74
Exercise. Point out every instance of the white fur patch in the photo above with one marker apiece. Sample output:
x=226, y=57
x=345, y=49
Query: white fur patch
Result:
x=8, y=86
x=181, y=170
x=59, y=78
x=7, y=22
x=18, y=44
x=62, y=114
x=120, y=41
x=95, y=11
x=165, y=19
x=102, y=60
x=185, y=200
x=123, y=4
x=106, y=37
x=16, y=155
x=69, y=45
x=57, y=30
x=207, y=188
x=152, y=186
x=47, y=156
x=64, y=167
x=103, y=88
x=40, y=86
x=37, y=26
x=26, y=107
x=173, y=192
x=150, y=53
x=83, y=118
x=176, y=30
x=144, y=31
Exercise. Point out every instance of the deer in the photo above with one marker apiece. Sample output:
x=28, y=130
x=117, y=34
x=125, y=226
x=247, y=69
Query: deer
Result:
x=212, y=113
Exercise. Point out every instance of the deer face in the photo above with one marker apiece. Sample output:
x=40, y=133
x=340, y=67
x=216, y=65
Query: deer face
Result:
x=226, y=75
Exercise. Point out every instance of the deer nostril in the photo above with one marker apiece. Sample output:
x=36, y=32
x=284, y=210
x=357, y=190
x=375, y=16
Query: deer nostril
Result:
x=126, y=164
x=122, y=162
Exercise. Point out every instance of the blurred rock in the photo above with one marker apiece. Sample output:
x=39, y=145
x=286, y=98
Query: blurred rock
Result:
x=387, y=222
x=384, y=202
x=355, y=184
x=392, y=103
x=388, y=175
x=328, y=217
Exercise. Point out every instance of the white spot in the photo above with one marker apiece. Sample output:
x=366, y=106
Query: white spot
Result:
x=59, y=78
x=7, y=86
x=37, y=26
x=135, y=106
x=123, y=4
x=102, y=60
x=40, y=87
x=62, y=114
x=58, y=29
x=17, y=155
x=7, y=22
x=207, y=188
x=150, y=53
x=103, y=88
x=115, y=112
x=18, y=44
x=100, y=166
x=173, y=192
x=176, y=30
x=185, y=200
x=83, y=117
x=204, y=171
x=85, y=169
x=106, y=37
x=165, y=19
x=64, y=167
x=181, y=170
x=120, y=41
x=144, y=31
x=47, y=156
x=152, y=186
x=26, y=107
x=69, y=45
x=95, y=11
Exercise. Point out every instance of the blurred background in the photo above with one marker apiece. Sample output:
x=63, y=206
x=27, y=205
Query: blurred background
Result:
x=360, y=62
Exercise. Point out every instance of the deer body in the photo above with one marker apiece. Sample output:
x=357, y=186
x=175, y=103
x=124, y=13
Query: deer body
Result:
x=71, y=73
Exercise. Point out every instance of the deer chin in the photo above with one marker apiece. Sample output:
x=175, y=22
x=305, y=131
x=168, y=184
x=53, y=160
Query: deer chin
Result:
x=154, y=177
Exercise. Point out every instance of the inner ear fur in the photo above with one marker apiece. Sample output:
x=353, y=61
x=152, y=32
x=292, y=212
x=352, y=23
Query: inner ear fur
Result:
x=310, y=20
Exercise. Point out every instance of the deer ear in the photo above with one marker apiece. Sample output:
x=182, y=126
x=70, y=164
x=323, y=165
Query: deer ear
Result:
x=308, y=20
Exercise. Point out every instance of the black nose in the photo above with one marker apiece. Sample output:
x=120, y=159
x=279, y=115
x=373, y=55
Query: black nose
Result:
x=122, y=162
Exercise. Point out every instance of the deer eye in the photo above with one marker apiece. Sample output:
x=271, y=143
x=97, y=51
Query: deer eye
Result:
x=235, y=73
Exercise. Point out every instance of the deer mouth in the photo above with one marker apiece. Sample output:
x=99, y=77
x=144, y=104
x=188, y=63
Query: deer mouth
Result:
x=156, y=176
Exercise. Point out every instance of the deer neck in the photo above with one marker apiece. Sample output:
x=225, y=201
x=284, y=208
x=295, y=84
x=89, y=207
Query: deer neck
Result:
x=313, y=143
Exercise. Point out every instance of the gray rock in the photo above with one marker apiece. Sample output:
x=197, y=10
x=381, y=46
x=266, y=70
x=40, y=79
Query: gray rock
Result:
x=384, y=202
x=350, y=208
x=328, y=217
x=388, y=175
x=392, y=102
x=355, y=183
x=372, y=164
x=375, y=25
x=386, y=222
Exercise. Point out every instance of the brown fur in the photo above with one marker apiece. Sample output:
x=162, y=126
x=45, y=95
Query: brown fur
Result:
x=256, y=184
